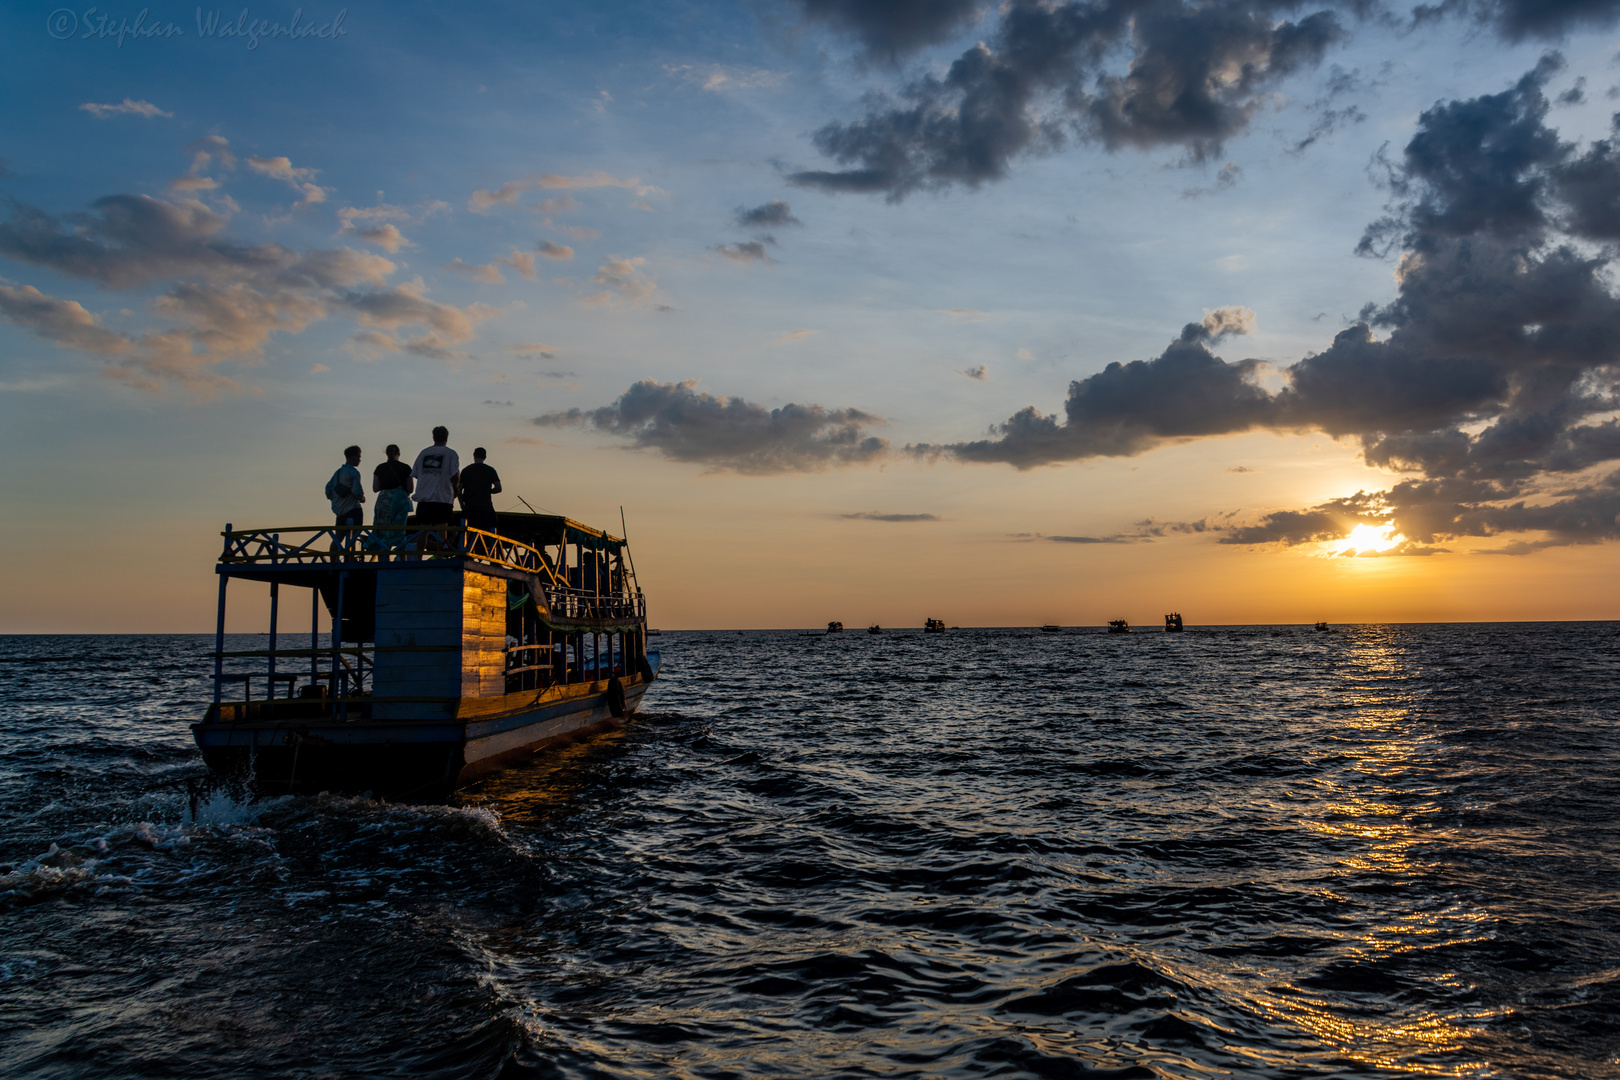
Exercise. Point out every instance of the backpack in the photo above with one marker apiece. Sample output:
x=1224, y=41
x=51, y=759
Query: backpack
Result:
x=333, y=489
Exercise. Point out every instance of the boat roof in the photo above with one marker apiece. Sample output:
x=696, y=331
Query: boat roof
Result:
x=543, y=530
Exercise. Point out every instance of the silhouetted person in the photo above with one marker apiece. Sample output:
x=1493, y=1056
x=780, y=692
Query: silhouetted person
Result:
x=436, y=471
x=479, y=484
x=346, y=491
x=392, y=482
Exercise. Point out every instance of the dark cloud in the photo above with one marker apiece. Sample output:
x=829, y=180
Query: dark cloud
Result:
x=891, y=28
x=729, y=433
x=874, y=515
x=1183, y=393
x=1090, y=539
x=772, y=215
x=1195, y=76
x=1517, y=20
x=1494, y=373
x=1126, y=73
x=747, y=251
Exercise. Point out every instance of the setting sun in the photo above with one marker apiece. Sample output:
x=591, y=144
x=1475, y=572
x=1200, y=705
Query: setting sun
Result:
x=1369, y=538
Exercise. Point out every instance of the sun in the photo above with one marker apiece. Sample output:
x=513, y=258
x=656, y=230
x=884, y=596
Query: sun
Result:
x=1369, y=538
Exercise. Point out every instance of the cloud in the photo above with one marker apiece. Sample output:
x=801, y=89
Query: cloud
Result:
x=509, y=193
x=717, y=77
x=534, y=348
x=127, y=107
x=978, y=372
x=1224, y=179
x=684, y=424
x=555, y=251
x=790, y=336
x=1226, y=321
x=775, y=214
x=388, y=237
x=204, y=152
x=375, y=224
x=965, y=314
x=316, y=369
x=889, y=31
x=485, y=273
x=63, y=322
x=745, y=252
x=300, y=180
x=522, y=262
x=1517, y=20
x=875, y=515
x=1125, y=409
x=1190, y=74
x=219, y=299
x=1196, y=75
x=1494, y=374
x=624, y=279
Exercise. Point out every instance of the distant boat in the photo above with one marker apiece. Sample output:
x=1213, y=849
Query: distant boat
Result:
x=835, y=628
x=655, y=633
x=1051, y=628
x=1172, y=623
x=874, y=629
x=1324, y=627
x=1118, y=626
x=934, y=626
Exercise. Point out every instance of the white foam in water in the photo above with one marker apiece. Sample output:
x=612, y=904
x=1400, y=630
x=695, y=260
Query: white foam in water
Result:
x=58, y=871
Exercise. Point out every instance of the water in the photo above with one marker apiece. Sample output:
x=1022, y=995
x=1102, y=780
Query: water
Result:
x=1257, y=852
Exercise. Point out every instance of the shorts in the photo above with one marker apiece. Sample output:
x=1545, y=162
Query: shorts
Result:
x=433, y=513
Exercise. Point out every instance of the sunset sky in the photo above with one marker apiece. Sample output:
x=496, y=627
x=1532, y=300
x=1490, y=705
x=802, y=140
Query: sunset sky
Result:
x=1002, y=314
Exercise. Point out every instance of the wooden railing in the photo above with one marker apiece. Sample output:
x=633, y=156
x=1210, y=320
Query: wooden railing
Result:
x=326, y=544
x=342, y=547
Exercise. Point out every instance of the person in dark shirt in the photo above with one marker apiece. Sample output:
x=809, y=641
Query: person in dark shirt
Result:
x=479, y=483
x=392, y=482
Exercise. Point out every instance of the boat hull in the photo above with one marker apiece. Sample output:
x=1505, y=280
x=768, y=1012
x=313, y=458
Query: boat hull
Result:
x=424, y=758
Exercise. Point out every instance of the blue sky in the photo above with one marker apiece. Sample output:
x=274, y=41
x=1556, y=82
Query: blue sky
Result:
x=486, y=215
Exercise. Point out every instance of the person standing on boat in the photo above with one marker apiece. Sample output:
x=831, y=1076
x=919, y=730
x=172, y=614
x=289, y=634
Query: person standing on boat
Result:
x=346, y=490
x=479, y=484
x=392, y=482
x=436, y=473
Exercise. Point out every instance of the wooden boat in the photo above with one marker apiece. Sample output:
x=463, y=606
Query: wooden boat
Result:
x=1324, y=627
x=450, y=653
x=934, y=626
x=874, y=629
x=835, y=628
x=1172, y=623
x=1051, y=628
x=1118, y=626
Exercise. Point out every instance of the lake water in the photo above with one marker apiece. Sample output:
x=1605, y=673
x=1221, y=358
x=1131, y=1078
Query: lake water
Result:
x=1256, y=852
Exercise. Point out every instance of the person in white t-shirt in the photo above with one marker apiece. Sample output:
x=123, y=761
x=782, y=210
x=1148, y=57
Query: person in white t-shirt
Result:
x=436, y=472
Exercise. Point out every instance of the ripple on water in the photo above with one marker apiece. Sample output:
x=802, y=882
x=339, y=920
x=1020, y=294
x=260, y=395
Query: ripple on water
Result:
x=1244, y=851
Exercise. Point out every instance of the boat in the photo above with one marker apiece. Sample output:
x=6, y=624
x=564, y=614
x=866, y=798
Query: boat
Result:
x=1172, y=623
x=1118, y=626
x=934, y=626
x=1051, y=628
x=874, y=629
x=1324, y=627
x=835, y=628
x=450, y=653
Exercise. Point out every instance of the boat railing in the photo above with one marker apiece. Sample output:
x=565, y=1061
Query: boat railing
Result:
x=312, y=545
